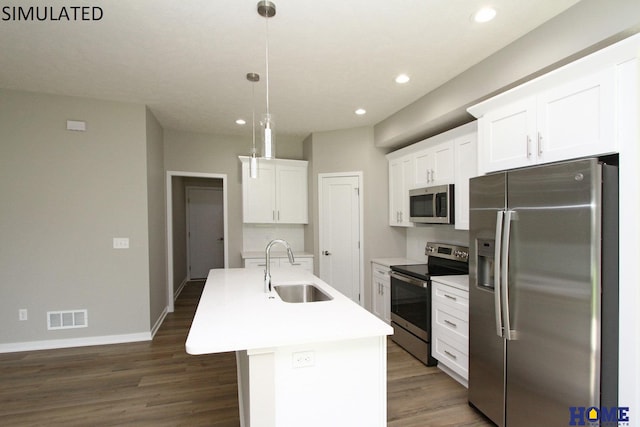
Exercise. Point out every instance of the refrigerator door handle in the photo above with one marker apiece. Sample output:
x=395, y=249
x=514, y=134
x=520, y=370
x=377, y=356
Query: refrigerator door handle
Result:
x=509, y=216
x=497, y=282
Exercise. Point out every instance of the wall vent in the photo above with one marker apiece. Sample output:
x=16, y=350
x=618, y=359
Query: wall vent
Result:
x=67, y=319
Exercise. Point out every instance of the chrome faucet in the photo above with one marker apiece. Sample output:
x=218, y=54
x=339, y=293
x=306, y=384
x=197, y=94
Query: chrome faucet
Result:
x=267, y=256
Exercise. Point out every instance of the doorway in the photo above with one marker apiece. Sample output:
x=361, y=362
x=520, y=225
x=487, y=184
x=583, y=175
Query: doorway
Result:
x=205, y=230
x=340, y=232
x=177, y=225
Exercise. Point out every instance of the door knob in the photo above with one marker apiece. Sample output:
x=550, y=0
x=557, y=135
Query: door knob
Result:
x=327, y=253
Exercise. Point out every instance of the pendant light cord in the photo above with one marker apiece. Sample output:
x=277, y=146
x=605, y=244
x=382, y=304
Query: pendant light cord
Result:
x=266, y=20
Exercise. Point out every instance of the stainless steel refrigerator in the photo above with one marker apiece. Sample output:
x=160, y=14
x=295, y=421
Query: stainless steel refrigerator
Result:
x=543, y=271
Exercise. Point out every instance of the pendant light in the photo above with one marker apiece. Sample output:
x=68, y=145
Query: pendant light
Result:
x=267, y=9
x=253, y=162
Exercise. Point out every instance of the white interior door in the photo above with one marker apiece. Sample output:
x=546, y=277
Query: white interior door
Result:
x=205, y=230
x=339, y=232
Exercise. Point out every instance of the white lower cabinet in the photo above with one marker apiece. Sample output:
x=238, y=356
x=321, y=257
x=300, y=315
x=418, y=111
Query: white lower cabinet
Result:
x=305, y=263
x=450, y=330
x=381, y=291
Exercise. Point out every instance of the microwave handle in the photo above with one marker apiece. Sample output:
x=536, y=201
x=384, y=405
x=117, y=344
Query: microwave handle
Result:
x=436, y=205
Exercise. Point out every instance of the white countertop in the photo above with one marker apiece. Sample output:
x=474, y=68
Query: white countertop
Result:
x=388, y=262
x=460, y=282
x=274, y=254
x=234, y=313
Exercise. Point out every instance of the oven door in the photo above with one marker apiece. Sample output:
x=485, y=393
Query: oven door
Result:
x=411, y=304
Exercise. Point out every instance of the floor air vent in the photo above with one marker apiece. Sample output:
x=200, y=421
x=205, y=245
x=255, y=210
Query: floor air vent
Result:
x=66, y=319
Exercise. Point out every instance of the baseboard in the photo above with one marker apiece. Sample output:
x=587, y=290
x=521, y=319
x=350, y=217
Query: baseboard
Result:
x=74, y=342
x=176, y=293
x=158, y=323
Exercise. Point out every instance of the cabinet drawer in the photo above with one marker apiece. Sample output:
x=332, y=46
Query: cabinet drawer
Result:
x=448, y=295
x=258, y=263
x=451, y=322
x=449, y=355
x=304, y=263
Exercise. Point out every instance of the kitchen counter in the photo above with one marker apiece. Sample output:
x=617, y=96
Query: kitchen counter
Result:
x=460, y=282
x=234, y=313
x=388, y=262
x=294, y=358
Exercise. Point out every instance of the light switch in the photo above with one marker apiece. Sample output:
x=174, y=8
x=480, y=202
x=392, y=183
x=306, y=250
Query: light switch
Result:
x=76, y=125
x=120, y=243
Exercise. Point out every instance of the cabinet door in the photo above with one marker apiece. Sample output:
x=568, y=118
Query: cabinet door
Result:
x=423, y=163
x=443, y=164
x=400, y=177
x=577, y=119
x=506, y=136
x=291, y=194
x=259, y=194
x=466, y=167
x=381, y=297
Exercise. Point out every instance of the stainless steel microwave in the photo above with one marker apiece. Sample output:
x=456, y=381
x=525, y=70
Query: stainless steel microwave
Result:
x=432, y=205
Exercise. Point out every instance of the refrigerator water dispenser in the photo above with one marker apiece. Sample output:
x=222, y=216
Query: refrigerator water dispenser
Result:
x=486, y=258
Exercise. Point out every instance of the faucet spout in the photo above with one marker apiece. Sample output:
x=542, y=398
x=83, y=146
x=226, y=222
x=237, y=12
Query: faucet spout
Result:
x=267, y=256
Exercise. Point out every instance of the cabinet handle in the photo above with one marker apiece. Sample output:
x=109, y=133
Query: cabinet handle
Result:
x=450, y=297
x=539, y=144
x=278, y=215
x=453, y=325
x=273, y=215
x=528, y=147
x=451, y=355
x=433, y=175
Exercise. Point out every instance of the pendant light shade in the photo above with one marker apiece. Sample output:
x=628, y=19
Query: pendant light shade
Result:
x=268, y=137
x=267, y=10
x=253, y=163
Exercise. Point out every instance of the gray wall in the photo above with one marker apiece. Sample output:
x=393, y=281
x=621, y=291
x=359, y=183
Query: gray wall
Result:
x=581, y=29
x=352, y=150
x=65, y=196
x=206, y=153
x=157, y=219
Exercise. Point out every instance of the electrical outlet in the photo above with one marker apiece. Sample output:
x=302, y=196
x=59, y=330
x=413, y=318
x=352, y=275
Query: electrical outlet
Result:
x=304, y=359
x=120, y=243
x=22, y=314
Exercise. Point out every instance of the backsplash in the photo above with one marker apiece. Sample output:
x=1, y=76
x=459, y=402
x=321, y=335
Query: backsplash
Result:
x=417, y=238
x=255, y=237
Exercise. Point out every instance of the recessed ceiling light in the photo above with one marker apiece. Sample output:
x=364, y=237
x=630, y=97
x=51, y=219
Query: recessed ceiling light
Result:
x=361, y=111
x=402, y=79
x=485, y=14
x=241, y=122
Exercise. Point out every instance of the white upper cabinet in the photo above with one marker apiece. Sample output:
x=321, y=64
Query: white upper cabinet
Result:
x=506, y=136
x=400, y=180
x=466, y=167
x=577, y=119
x=434, y=165
x=568, y=113
x=278, y=195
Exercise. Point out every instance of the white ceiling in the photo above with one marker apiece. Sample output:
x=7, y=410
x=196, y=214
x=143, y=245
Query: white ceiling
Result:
x=187, y=59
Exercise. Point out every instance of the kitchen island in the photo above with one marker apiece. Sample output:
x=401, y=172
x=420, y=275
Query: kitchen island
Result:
x=313, y=364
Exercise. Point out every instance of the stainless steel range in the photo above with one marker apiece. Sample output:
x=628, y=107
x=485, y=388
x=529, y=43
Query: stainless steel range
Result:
x=411, y=296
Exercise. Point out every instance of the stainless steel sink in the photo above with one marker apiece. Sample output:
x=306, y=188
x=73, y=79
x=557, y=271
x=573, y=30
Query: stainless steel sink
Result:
x=301, y=292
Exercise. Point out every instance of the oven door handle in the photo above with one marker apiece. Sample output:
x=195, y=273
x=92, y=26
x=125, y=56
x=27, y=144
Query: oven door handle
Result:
x=410, y=280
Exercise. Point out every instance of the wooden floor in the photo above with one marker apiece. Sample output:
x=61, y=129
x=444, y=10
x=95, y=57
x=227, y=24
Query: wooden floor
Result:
x=157, y=384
